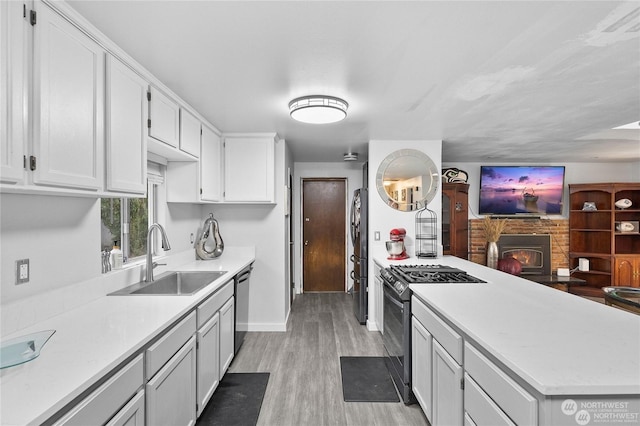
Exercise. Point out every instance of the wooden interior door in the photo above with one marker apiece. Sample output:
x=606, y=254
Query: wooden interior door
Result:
x=323, y=234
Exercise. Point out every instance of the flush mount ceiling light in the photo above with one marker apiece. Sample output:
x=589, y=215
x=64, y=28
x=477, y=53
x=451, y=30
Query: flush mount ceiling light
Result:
x=318, y=109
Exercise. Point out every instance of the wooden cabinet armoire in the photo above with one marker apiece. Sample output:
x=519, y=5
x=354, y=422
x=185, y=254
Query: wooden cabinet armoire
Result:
x=455, y=220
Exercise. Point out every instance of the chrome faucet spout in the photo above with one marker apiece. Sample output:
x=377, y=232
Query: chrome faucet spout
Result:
x=165, y=245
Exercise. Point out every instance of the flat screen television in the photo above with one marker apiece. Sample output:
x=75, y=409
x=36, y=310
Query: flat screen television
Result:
x=525, y=190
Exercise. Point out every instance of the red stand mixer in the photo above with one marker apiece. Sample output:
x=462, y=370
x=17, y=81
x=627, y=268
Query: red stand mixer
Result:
x=395, y=247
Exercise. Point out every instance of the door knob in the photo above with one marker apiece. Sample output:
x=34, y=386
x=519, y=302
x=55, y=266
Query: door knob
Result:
x=306, y=242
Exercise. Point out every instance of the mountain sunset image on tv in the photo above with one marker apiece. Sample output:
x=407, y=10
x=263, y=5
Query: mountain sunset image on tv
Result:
x=512, y=190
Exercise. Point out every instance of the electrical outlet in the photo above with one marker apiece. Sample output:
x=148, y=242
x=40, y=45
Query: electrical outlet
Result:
x=22, y=271
x=376, y=236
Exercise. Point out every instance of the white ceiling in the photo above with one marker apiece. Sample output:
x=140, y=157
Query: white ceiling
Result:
x=525, y=81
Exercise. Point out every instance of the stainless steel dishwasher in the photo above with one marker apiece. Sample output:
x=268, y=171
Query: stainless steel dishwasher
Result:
x=241, y=287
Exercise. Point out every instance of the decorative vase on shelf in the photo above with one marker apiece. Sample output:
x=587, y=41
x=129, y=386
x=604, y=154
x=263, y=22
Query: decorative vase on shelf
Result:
x=492, y=254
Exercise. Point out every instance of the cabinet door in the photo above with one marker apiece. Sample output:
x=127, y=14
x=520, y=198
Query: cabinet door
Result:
x=249, y=170
x=189, y=133
x=210, y=165
x=421, y=375
x=447, y=388
x=68, y=104
x=627, y=271
x=379, y=303
x=171, y=393
x=208, y=367
x=131, y=414
x=13, y=68
x=126, y=121
x=227, y=329
x=164, y=114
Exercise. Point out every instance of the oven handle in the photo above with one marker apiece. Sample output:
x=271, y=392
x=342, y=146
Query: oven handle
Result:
x=391, y=298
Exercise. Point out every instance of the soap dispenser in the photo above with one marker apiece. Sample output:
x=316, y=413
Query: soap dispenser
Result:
x=116, y=256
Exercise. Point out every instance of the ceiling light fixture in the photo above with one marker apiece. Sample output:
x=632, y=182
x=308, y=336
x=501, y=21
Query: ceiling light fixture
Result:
x=318, y=109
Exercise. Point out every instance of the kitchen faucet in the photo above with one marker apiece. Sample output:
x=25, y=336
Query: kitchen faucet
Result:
x=165, y=245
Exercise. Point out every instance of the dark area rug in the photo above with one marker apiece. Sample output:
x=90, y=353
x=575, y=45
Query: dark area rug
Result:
x=366, y=379
x=236, y=401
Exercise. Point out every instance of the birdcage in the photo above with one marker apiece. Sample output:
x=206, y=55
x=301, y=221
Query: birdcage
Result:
x=426, y=233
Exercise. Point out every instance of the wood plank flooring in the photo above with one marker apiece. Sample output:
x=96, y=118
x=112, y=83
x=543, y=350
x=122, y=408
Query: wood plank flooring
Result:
x=305, y=385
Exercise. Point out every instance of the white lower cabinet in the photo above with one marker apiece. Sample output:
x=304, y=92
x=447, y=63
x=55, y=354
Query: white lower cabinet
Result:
x=437, y=366
x=491, y=394
x=447, y=388
x=421, y=373
x=480, y=407
x=214, y=341
x=171, y=393
x=227, y=319
x=455, y=383
x=378, y=296
x=105, y=402
x=208, y=366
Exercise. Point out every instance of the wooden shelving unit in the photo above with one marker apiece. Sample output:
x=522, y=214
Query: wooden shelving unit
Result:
x=455, y=221
x=614, y=256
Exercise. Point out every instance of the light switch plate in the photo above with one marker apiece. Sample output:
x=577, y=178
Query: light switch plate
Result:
x=22, y=271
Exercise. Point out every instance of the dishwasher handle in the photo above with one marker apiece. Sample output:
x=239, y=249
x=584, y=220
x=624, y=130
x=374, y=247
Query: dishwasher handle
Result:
x=244, y=276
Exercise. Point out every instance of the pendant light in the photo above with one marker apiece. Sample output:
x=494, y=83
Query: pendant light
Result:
x=318, y=109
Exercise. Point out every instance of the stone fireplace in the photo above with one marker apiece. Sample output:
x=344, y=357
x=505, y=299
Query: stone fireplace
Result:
x=532, y=250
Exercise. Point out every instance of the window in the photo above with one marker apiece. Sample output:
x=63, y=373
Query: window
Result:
x=125, y=221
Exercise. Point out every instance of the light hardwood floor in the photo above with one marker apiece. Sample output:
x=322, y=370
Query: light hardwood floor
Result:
x=305, y=385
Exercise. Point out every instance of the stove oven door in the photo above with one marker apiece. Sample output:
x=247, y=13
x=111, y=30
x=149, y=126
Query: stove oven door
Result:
x=396, y=340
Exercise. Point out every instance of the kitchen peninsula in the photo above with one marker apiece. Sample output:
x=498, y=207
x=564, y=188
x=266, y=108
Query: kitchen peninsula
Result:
x=97, y=341
x=521, y=352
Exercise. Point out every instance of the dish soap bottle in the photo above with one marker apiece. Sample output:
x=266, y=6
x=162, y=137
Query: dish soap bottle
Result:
x=116, y=256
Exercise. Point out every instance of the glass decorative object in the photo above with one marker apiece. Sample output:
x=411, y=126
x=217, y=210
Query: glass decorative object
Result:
x=23, y=349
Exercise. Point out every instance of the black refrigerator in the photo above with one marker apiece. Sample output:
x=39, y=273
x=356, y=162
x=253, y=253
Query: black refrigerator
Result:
x=359, y=233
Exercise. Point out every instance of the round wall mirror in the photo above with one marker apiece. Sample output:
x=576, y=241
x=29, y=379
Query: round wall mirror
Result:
x=407, y=180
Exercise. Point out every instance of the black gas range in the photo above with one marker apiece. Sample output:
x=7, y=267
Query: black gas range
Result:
x=396, y=335
x=399, y=277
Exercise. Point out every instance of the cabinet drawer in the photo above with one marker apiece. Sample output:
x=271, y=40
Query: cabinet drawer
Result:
x=105, y=401
x=516, y=402
x=161, y=351
x=445, y=335
x=131, y=414
x=480, y=407
x=209, y=307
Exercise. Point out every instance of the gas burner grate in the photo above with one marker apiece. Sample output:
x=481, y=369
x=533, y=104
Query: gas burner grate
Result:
x=416, y=274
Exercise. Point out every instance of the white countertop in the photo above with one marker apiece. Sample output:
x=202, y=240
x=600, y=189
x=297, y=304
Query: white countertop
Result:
x=93, y=339
x=559, y=343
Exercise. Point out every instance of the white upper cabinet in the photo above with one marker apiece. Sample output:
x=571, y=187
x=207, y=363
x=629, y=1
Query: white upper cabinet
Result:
x=164, y=116
x=68, y=94
x=210, y=166
x=14, y=29
x=126, y=120
x=249, y=169
x=189, y=133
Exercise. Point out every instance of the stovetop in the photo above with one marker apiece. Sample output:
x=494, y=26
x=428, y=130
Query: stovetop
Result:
x=418, y=274
x=400, y=276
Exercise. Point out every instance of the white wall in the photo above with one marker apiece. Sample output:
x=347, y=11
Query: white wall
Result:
x=352, y=172
x=262, y=226
x=61, y=238
x=383, y=218
x=574, y=173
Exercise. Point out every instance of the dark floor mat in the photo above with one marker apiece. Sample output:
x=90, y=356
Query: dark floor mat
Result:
x=366, y=379
x=236, y=401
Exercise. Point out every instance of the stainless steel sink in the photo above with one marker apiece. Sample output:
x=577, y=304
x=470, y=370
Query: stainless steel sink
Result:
x=171, y=284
